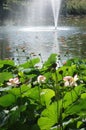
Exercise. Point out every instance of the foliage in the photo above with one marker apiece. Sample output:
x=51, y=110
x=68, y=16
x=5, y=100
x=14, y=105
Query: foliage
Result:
x=76, y=6
x=29, y=104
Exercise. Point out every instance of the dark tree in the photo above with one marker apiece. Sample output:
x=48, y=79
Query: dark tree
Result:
x=2, y=4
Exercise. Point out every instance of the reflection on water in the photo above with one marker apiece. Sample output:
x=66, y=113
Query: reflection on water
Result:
x=4, y=49
x=20, y=42
x=78, y=45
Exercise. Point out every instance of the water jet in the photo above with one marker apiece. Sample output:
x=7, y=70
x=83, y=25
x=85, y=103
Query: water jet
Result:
x=56, y=9
x=42, y=13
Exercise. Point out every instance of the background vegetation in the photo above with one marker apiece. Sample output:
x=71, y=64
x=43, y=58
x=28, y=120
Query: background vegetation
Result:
x=69, y=7
x=74, y=7
x=9, y=8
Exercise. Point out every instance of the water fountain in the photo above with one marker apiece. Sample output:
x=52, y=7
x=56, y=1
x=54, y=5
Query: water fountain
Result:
x=39, y=20
x=39, y=31
x=56, y=8
x=43, y=14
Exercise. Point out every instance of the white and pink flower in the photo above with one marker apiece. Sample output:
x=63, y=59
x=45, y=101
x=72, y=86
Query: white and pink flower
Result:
x=13, y=82
x=41, y=79
x=70, y=81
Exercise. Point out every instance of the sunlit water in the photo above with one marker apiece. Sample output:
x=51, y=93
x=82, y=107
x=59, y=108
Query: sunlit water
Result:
x=35, y=32
x=21, y=42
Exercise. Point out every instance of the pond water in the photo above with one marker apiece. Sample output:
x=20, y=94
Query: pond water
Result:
x=20, y=42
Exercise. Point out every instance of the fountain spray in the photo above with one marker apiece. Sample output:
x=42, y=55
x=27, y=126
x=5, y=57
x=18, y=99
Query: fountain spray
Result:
x=56, y=8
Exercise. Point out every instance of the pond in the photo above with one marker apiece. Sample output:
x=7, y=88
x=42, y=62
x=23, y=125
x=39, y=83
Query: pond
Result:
x=20, y=42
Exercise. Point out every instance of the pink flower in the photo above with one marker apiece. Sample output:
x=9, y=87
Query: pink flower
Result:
x=70, y=81
x=13, y=82
x=41, y=79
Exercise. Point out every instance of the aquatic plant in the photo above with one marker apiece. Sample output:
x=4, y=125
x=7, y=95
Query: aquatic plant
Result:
x=38, y=98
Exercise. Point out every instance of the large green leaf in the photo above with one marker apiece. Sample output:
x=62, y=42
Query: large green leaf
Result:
x=72, y=96
x=5, y=76
x=79, y=105
x=7, y=100
x=6, y=62
x=49, y=117
x=33, y=93
x=30, y=63
x=51, y=60
x=78, y=108
x=46, y=95
x=20, y=90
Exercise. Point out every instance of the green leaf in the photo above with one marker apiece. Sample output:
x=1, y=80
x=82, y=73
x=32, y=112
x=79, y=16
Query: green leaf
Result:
x=49, y=117
x=7, y=100
x=15, y=91
x=56, y=128
x=33, y=93
x=5, y=76
x=46, y=95
x=79, y=123
x=31, y=71
x=14, y=115
x=84, y=78
x=1, y=65
x=51, y=60
x=78, y=108
x=7, y=62
x=66, y=70
x=72, y=96
x=30, y=63
x=83, y=96
x=20, y=90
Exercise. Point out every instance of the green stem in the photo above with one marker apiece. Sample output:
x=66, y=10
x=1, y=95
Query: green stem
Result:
x=56, y=89
x=20, y=95
x=61, y=111
x=39, y=93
